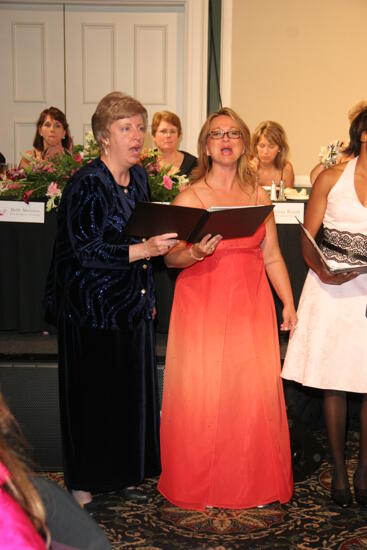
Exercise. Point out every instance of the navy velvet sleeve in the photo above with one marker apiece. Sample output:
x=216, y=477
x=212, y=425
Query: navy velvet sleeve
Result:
x=91, y=280
x=88, y=224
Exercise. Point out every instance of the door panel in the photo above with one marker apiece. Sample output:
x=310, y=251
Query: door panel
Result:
x=32, y=69
x=155, y=54
x=120, y=49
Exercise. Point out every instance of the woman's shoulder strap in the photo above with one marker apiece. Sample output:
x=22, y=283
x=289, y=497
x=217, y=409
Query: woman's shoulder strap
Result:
x=197, y=196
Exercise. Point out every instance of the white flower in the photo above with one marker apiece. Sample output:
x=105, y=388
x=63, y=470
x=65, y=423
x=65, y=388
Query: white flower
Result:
x=329, y=154
x=182, y=181
x=89, y=137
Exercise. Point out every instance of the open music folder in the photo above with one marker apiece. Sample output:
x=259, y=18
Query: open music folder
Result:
x=316, y=253
x=192, y=224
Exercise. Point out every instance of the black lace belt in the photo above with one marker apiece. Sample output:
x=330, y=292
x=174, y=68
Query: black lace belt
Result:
x=348, y=253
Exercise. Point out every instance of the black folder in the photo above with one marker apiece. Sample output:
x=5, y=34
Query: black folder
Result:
x=192, y=224
x=318, y=256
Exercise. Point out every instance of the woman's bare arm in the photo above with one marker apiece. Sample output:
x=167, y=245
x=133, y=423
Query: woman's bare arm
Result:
x=288, y=175
x=276, y=269
x=313, y=219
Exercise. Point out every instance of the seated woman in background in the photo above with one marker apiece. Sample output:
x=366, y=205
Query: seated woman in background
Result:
x=270, y=148
x=166, y=132
x=52, y=137
x=340, y=155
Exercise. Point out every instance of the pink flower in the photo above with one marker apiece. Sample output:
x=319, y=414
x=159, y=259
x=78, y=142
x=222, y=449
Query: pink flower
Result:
x=15, y=174
x=14, y=185
x=78, y=157
x=48, y=168
x=52, y=189
x=26, y=195
x=167, y=182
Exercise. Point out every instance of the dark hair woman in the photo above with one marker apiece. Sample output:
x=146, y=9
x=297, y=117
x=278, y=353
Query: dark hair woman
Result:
x=329, y=345
x=52, y=137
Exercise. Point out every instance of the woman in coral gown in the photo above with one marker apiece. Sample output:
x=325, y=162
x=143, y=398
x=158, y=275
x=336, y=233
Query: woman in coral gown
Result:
x=224, y=432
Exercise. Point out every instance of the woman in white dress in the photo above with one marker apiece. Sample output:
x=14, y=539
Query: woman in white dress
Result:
x=328, y=349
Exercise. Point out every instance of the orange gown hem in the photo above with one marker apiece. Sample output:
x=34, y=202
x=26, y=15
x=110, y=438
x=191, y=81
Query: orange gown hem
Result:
x=203, y=507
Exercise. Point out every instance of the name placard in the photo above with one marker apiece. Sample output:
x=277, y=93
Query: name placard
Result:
x=288, y=212
x=19, y=211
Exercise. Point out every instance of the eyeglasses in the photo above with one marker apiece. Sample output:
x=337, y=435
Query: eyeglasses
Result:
x=219, y=134
x=165, y=132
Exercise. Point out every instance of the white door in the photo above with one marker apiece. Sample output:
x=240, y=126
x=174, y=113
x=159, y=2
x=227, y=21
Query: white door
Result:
x=130, y=50
x=155, y=54
x=32, y=72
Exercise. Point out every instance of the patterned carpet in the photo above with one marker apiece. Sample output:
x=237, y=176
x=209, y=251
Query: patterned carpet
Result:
x=310, y=520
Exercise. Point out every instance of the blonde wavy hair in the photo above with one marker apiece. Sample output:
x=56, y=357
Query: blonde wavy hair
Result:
x=245, y=172
x=274, y=133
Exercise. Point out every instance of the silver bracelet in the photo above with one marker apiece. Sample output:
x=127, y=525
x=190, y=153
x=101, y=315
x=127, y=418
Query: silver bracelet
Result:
x=146, y=254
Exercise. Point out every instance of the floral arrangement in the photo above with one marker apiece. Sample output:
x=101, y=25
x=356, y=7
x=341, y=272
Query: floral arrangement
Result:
x=164, y=183
x=330, y=154
x=47, y=178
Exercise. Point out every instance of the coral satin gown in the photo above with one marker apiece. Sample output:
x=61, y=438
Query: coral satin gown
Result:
x=224, y=432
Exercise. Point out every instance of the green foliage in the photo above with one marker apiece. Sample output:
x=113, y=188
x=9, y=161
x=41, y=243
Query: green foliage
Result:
x=164, y=183
x=46, y=179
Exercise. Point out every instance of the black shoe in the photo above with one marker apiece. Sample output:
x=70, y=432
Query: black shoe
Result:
x=91, y=508
x=341, y=497
x=133, y=494
x=360, y=494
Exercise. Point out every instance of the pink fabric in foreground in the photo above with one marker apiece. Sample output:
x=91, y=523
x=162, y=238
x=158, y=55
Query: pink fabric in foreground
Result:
x=16, y=530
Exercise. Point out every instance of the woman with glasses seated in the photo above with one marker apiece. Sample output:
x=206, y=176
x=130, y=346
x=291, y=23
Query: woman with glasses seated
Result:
x=167, y=131
x=270, y=149
x=224, y=431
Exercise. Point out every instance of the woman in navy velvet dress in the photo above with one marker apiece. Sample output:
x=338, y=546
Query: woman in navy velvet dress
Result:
x=100, y=287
